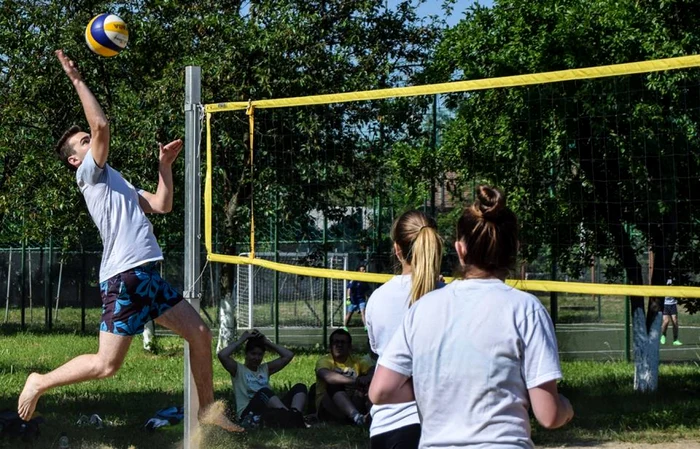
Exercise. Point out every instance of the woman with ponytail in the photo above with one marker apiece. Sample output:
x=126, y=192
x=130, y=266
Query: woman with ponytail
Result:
x=477, y=354
x=418, y=248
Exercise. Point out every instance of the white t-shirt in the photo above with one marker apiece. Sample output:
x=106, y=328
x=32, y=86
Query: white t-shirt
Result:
x=384, y=315
x=246, y=383
x=474, y=348
x=127, y=235
x=670, y=300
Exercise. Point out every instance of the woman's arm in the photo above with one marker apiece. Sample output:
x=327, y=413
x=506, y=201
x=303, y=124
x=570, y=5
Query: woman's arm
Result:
x=390, y=387
x=551, y=409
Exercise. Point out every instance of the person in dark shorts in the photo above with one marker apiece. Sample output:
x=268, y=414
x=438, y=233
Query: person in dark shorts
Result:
x=132, y=290
x=342, y=380
x=358, y=292
x=670, y=314
x=251, y=379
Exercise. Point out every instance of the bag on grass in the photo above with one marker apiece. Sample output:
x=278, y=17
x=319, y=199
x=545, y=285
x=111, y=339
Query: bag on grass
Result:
x=12, y=426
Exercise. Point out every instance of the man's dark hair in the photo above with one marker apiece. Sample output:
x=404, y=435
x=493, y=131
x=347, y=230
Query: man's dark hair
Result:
x=63, y=149
x=339, y=331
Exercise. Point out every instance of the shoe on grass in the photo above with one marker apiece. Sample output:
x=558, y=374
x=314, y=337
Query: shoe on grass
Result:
x=663, y=339
x=677, y=343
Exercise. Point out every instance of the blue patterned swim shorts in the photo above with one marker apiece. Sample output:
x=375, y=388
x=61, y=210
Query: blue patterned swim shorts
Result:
x=133, y=298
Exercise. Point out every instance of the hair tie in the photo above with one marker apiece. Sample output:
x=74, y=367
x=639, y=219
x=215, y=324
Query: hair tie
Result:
x=424, y=226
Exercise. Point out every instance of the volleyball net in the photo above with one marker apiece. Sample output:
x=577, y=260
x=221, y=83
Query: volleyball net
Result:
x=600, y=165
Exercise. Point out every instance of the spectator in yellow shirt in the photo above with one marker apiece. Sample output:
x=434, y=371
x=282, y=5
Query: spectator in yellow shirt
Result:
x=342, y=382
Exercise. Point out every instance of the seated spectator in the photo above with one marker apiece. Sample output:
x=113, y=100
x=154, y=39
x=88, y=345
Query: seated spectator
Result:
x=251, y=379
x=342, y=382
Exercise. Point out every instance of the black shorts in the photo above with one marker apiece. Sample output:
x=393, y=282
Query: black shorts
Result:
x=326, y=415
x=406, y=437
x=671, y=309
x=258, y=404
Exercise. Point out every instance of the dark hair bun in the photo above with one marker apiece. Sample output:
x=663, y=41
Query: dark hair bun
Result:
x=490, y=202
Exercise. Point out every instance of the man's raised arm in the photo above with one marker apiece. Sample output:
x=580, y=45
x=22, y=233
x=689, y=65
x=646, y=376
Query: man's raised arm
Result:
x=99, y=126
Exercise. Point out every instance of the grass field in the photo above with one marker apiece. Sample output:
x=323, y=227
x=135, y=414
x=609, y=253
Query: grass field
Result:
x=573, y=308
x=606, y=407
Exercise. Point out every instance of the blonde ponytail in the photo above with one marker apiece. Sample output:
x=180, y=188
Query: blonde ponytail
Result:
x=426, y=258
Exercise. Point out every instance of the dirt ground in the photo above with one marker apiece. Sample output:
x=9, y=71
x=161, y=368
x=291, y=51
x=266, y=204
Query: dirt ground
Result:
x=684, y=444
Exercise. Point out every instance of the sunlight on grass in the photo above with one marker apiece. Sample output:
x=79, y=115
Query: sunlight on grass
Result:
x=607, y=409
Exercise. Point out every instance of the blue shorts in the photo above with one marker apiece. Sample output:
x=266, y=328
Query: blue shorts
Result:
x=355, y=306
x=133, y=298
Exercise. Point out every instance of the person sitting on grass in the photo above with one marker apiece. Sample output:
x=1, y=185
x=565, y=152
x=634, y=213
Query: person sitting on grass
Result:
x=251, y=379
x=477, y=354
x=342, y=382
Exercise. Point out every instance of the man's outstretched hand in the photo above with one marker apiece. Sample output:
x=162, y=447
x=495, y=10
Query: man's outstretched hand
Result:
x=169, y=152
x=68, y=66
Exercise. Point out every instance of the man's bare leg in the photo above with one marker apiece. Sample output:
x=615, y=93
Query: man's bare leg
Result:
x=347, y=319
x=110, y=355
x=664, y=324
x=339, y=405
x=186, y=322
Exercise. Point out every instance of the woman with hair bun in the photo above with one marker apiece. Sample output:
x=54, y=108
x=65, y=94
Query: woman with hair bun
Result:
x=477, y=354
x=418, y=248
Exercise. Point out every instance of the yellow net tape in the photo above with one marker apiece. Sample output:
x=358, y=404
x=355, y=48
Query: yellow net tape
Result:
x=539, y=286
x=682, y=62
x=207, y=191
x=250, y=112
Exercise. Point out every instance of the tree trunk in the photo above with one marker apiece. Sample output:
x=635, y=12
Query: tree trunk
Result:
x=227, y=306
x=646, y=351
x=227, y=321
x=237, y=189
x=149, y=336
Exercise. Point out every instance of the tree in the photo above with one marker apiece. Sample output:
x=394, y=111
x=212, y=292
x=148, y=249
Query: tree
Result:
x=306, y=159
x=586, y=164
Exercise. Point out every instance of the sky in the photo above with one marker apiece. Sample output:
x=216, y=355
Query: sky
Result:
x=434, y=7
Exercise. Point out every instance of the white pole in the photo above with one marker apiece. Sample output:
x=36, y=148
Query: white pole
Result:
x=193, y=98
x=250, y=296
x=330, y=282
x=9, y=276
x=345, y=282
x=58, y=290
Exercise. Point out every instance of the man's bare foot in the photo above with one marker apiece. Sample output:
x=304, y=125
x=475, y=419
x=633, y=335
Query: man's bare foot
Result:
x=222, y=421
x=29, y=397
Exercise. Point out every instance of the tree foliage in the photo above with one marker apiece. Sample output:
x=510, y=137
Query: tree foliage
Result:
x=247, y=50
x=595, y=168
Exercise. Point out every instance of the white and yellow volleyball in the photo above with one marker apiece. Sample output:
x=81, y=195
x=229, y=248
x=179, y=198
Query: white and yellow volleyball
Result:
x=106, y=35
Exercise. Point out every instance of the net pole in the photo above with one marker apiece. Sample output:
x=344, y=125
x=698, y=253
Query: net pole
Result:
x=325, y=284
x=47, y=286
x=58, y=289
x=276, y=281
x=193, y=91
x=628, y=315
x=81, y=291
x=433, y=147
x=251, y=285
x=9, y=281
x=23, y=278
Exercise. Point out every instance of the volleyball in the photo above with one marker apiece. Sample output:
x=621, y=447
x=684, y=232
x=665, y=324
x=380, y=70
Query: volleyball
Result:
x=106, y=35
